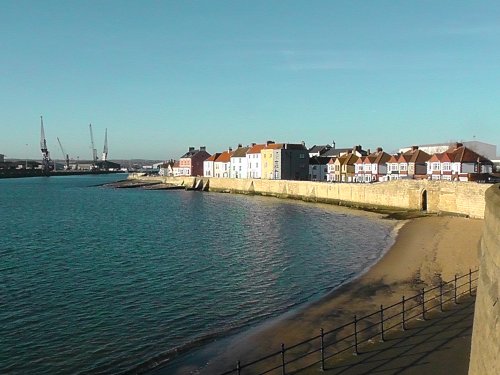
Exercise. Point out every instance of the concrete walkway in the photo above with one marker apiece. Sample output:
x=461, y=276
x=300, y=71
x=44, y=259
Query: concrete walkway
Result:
x=438, y=345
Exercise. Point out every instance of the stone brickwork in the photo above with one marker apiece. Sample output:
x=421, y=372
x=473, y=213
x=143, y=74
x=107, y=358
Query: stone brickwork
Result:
x=461, y=198
x=485, y=352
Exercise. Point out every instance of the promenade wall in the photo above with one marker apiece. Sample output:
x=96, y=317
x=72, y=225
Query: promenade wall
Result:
x=461, y=198
x=485, y=351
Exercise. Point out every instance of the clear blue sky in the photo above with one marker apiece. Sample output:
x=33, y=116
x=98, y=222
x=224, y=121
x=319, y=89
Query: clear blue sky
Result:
x=165, y=75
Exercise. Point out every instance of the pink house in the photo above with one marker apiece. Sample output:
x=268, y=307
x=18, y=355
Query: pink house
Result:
x=191, y=163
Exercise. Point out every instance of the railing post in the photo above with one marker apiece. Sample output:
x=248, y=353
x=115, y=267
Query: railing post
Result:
x=455, y=289
x=403, y=320
x=470, y=282
x=322, y=335
x=423, y=303
x=283, y=371
x=356, y=335
x=441, y=295
x=382, y=322
x=238, y=368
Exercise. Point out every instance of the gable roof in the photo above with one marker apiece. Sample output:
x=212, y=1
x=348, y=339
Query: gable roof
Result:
x=336, y=151
x=255, y=149
x=319, y=160
x=224, y=157
x=274, y=146
x=319, y=149
x=213, y=157
x=240, y=152
x=463, y=154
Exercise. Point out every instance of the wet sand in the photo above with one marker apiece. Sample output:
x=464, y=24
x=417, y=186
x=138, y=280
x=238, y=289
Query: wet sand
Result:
x=426, y=250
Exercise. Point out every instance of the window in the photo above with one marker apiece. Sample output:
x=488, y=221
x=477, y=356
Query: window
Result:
x=446, y=167
x=435, y=166
x=402, y=167
x=301, y=156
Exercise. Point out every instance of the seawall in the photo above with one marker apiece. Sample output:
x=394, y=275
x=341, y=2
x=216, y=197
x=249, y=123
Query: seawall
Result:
x=485, y=351
x=460, y=198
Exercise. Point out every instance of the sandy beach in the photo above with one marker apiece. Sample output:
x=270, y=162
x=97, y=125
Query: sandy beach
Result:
x=425, y=250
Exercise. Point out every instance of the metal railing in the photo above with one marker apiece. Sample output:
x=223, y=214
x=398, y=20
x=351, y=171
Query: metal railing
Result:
x=350, y=336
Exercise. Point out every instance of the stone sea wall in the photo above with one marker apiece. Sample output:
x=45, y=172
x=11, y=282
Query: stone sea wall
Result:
x=461, y=198
x=485, y=352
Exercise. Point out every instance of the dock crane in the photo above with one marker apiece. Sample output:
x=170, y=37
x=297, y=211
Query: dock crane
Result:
x=65, y=155
x=44, y=149
x=94, y=151
x=105, y=150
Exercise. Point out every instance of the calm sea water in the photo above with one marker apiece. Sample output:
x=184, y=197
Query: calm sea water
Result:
x=97, y=280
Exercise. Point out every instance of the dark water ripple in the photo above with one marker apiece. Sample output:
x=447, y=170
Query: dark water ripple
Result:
x=100, y=281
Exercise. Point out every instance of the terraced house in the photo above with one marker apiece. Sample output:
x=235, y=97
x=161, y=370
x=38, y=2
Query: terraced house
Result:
x=408, y=165
x=285, y=161
x=458, y=163
x=239, y=164
x=191, y=163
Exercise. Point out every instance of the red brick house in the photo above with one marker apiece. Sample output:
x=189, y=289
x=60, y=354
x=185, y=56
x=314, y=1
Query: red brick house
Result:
x=191, y=163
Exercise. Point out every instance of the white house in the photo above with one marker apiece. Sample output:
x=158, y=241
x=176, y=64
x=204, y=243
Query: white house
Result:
x=318, y=168
x=254, y=161
x=208, y=165
x=222, y=165
x=239, y=163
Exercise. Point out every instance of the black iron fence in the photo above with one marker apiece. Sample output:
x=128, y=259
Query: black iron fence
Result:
x=349, y=337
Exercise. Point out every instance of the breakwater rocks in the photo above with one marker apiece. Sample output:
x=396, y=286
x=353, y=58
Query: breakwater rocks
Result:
x=147, y=185
x=441, y=197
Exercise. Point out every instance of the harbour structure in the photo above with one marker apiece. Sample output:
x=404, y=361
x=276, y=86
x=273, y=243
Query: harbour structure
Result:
x=92, y=145
x=44, y=149
x=105, y=150
x=65, y=155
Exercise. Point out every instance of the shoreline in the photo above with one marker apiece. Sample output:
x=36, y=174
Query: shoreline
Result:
x=425, y=250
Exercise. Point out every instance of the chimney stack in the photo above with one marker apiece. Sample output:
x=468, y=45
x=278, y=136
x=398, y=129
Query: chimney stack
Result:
x=333, y=144
x=191, y=149
x=414, y=148
x=380, y=149
x=203, y=148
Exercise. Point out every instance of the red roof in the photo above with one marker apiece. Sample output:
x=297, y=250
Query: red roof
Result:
x=274, y=146
x=256, y=149
x=225, y=157
x=466, y=155
x=213, y=157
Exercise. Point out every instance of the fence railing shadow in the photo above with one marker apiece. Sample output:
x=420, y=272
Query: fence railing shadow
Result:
x=348, y=338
